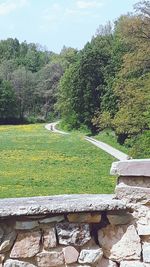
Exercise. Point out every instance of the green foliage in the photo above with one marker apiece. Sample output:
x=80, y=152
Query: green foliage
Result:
x=7, y=102
x=82, y=84
x=139, y=146
x=102, y=120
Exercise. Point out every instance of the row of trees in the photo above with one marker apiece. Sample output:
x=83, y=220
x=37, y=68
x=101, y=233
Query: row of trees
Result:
x=29, y=78
x=109, y=84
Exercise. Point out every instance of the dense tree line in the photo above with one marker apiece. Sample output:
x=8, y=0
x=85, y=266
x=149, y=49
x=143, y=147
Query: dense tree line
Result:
x=29, y=77
x=104, y=85
x=109, y=84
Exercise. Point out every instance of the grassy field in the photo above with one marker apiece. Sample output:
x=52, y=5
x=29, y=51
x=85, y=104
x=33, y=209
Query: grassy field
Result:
x=35, y=162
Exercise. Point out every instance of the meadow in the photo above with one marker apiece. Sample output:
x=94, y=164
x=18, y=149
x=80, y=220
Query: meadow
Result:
x=35, y=162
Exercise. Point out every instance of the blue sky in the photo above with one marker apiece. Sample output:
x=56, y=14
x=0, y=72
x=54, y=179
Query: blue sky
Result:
x=54, y=23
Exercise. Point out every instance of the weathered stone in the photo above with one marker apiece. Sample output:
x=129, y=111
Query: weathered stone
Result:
x=59, y=205
x=137, y=181
x=146, y=252
x=1, y=233
x=143, y=229
x=2, y=257
x=27, y=245
x=135, y=167
x=26, y=225
x=119, y=219
x=16, y=263
x=120, y=242
x=70, y=254
x=53, y=219
x=90, y=255
x=106, y=263
x=132, y=194
x=8, y=240
x=132, y=264
x=78, y=265
x=141, y=215
x=49, y=238
x=73, y=234
x=84, y=217
x=50, y=259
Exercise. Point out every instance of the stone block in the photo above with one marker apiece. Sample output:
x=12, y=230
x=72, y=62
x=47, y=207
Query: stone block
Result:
x=146, y=252
x=2, y=257
x=136, y=181
x=132, y=264
x=119, y=219
x=26, y=225
x=53, y=219
x=84, y=217
x=49, y=238
x=136, y=167
x=143, y=229
x=7, y=240
x=120, y=242
x=26, y=245
x=73, y=234
x=106, y=263
x=50, y=259
x=16, y=263
x=132, y=194
x=70, y=254
x=90, y=255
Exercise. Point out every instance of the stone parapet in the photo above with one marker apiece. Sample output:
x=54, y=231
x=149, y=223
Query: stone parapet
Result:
x=133, y=184
x=81, y=230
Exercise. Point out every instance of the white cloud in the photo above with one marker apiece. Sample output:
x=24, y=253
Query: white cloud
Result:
x=9, y=6
x=83, y=4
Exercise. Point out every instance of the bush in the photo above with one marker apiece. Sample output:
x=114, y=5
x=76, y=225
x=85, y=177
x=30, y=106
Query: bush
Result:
x=140, y=145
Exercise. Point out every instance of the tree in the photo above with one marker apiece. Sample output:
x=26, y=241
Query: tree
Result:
x=47, y=82
x=8, y=108
x=23, y=82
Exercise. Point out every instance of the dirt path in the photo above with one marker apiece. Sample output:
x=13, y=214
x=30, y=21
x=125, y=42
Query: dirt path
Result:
x=107, y=148
x=52, y=127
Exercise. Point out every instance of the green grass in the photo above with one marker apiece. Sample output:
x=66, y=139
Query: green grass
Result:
x=35, y=162
x=109, y=137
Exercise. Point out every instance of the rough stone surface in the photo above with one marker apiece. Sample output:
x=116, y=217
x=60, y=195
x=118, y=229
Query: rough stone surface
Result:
x=106, y=263
x=50, y=259
x=132, y=194
x=84, y=218
x=135, y=167
x=49, y=238
x=53, y=219
x=26, y=225
x=2, y=257
x=136, y=181
x=27, y=245
x=146, y=252
x=70, y=254
x=132, y=264
x=73, y=233
x=142, y=218
x=1, y=233
x=120, y=242
x=90, y=255
x=16, y=263
x=120, y=219
x=8, y=240
x=58, y=205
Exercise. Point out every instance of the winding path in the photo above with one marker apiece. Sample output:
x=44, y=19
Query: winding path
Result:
x=107, y=148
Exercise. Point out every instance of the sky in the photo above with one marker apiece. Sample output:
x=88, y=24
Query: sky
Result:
x=55, y=23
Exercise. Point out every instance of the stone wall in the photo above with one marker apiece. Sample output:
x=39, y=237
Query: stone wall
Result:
x=81, y=230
